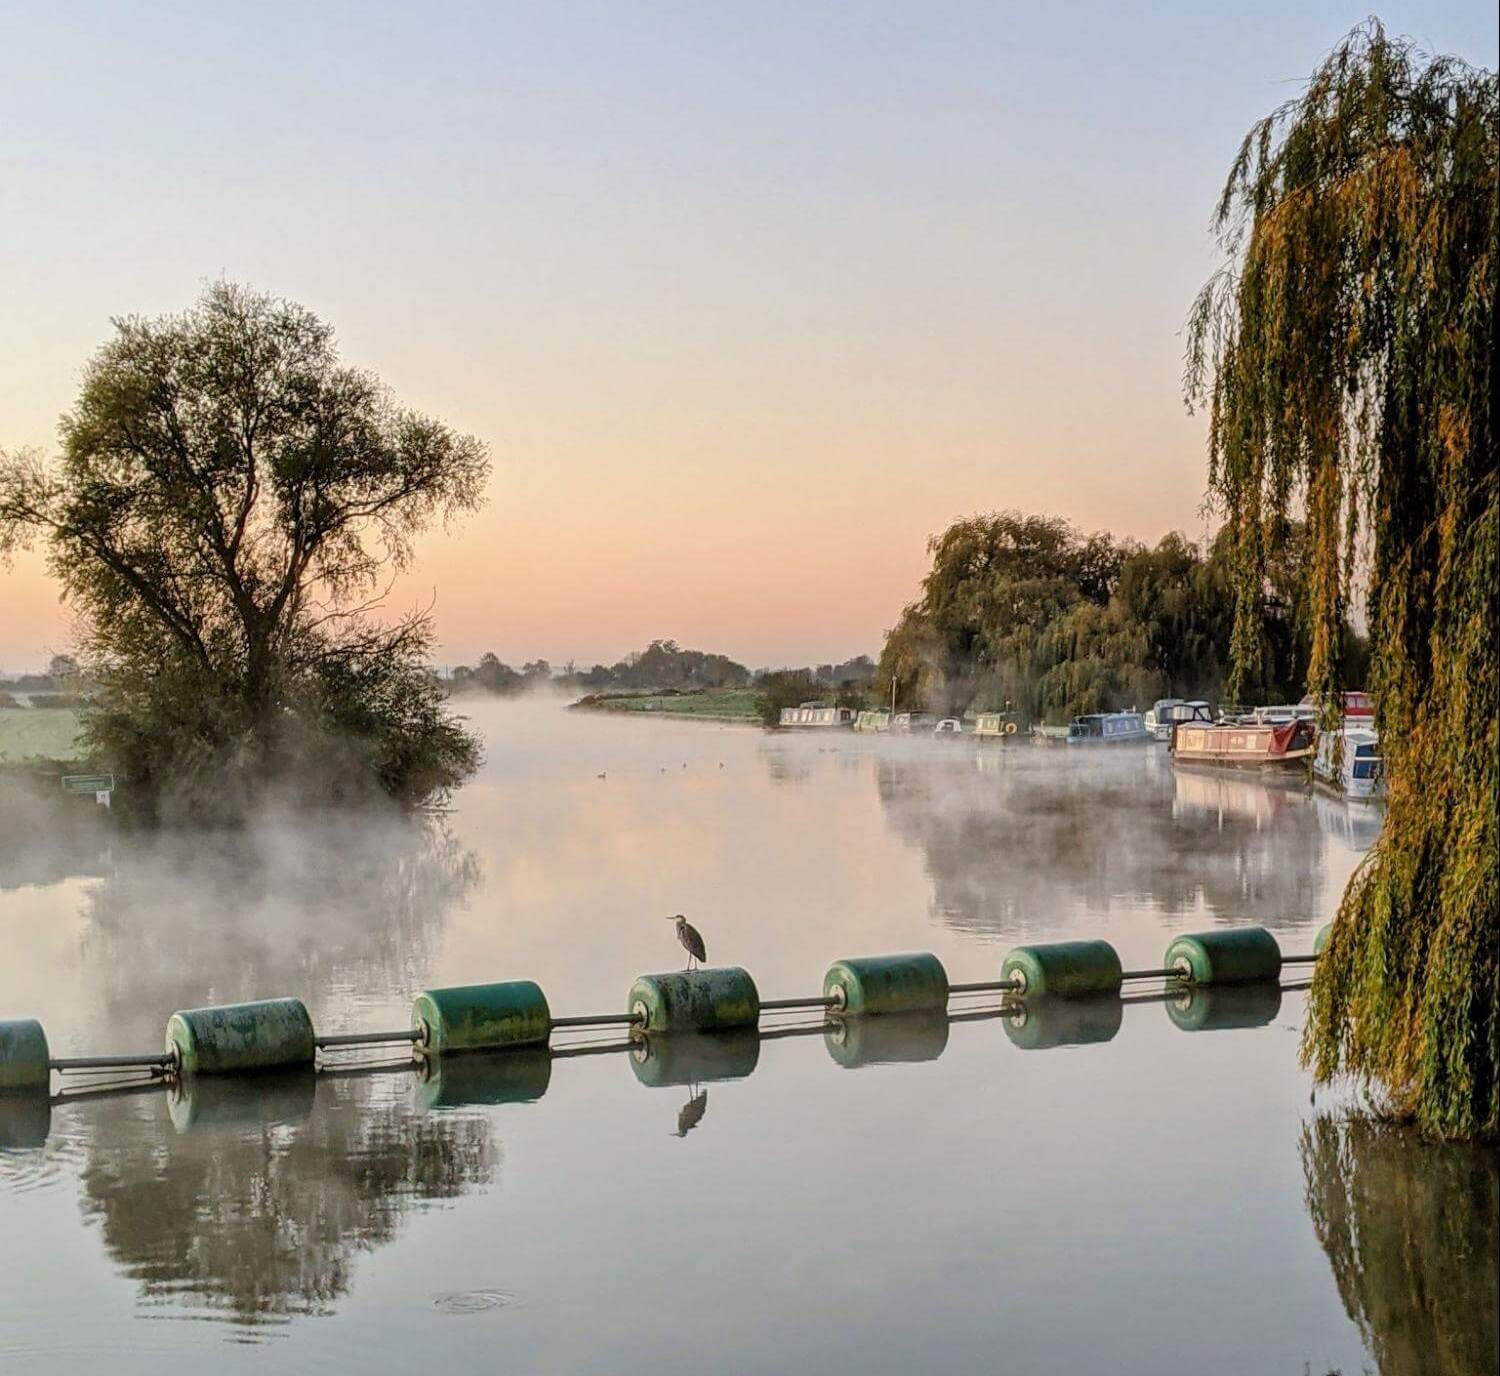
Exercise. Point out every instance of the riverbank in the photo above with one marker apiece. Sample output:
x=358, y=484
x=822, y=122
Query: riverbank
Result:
x=733, y=705
x=32, y=735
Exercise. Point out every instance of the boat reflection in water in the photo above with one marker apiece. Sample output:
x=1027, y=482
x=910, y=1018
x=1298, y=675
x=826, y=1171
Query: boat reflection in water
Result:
x=1354, y=823
x=1017, y=844
x=1411, y=1229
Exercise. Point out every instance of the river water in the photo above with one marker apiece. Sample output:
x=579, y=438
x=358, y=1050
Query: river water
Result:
x=1137, y=1190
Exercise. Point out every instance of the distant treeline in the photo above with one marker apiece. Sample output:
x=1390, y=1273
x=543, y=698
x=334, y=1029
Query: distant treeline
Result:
x=662, y=666
x=1026, y=611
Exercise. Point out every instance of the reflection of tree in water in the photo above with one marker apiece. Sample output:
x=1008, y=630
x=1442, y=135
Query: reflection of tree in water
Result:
x=261, y=1220
x=323, y=908
x=1411, y=1230
x=1007, y=835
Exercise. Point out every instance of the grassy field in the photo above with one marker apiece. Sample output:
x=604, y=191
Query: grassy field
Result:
x=726, y=704
x=30, y=733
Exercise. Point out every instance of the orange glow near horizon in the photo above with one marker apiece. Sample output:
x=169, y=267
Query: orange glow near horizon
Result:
x=747, y=302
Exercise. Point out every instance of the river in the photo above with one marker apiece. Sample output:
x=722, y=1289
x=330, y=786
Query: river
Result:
x=1123, y=1194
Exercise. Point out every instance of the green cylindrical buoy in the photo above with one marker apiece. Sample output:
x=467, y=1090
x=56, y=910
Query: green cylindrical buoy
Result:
x=1219, y=1007
x=1232, y=955
x=1042, y=1024
x=25, y=1062
x=205, y=1104
x=1321, y=940
x=25, y=1121
x=481, y=1017
x=520, y=1075
x=889, y=1040
x=695, y=1000
x=911, y=983
x=695, y=1058
x=273, y=1034
x=1064, y=969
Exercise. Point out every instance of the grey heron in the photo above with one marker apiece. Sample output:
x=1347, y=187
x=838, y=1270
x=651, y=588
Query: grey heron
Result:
x=691, y=939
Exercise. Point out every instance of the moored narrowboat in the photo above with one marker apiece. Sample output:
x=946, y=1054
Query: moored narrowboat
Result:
x=873, y=720
x=997, y=725
x=1098, y=728
x=1245, y=745
x=817, y=715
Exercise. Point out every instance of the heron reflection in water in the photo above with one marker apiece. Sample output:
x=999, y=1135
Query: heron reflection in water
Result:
x=691, y=1113
x=691, y=939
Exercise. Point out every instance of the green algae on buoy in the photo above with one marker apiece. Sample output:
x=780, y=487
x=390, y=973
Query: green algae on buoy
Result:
x=25, y=1062
x=695, y=1000
x=271, y=1034
x=481, y=1017
x=1231, y=955
x=865, y=985
x=1064, y=969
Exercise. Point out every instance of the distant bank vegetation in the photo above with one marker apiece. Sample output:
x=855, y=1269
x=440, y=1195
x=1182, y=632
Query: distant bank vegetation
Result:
x=668, y=679
x=1024, y=610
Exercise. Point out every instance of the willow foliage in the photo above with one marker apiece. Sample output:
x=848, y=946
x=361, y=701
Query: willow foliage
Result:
x=1344, y=353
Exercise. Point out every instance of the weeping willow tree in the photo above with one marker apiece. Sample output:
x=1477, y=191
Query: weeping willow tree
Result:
x=1344, y=355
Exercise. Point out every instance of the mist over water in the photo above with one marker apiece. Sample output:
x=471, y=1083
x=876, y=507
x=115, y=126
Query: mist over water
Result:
x=872, y=1199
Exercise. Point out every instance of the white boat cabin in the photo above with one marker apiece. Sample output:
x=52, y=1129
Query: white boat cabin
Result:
x=816, y=714
x=1349, y=760
x=1169, y=712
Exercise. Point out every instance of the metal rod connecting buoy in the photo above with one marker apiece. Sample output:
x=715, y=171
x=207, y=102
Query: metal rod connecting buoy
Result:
x=278, y=1033
x=69, y=1064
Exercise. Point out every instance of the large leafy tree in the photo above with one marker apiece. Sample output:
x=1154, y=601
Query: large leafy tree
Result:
x=227, y=503
x=1345, y=353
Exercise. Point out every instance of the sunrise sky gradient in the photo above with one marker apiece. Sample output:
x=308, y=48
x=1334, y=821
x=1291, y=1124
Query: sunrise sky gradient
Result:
x=747, y=300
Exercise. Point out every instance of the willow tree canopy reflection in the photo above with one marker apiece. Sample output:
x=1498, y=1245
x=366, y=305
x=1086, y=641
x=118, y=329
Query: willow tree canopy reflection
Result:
x=256, y=1205
x=1006, y=832
x=1411, y=1230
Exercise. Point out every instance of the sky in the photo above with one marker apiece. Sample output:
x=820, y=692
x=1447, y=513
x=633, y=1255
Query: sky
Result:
x=747, y=300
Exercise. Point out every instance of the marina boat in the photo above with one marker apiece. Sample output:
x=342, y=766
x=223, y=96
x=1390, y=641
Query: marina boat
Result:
x=872, y=719
x=1356, y=704
x=912, y=723
x=996, y=725
x=816, y=715
x=1099, y=728
x=1348, y=761
x=1245, y=745
x=1168, y=712
x=1278, y=714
